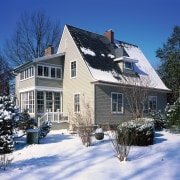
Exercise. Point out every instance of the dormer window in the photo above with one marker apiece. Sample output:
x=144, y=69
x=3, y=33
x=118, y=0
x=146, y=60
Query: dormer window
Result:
x=126, y=63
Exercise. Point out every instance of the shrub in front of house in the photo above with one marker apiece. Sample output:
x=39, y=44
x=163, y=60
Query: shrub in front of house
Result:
x=136, y=132
x=172, y=114
x=159, y=121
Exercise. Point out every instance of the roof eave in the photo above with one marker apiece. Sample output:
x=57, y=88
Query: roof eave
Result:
x=48, y=57
x=122, y=84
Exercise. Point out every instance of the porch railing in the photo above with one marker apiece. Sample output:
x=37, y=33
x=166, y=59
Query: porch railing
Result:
x=58, y=117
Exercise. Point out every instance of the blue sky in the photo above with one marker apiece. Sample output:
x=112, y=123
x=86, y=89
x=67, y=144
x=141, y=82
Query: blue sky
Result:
x=146, y=23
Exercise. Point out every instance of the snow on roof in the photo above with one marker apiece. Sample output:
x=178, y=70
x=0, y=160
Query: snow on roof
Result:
x=100, y=56
x=147, y=75
x=144, y=68
x=87, y=51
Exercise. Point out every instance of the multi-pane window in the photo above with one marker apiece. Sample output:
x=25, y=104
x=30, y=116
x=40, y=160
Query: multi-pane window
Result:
x=116, y=102
x=27, y=73
x=40, y=101
x=57, y=101
x=27, y=101
x=49, y=101
x=24, y=101
x=48, y=71
x=73, y=69
x=31, y=101
x=76, y=102
x=152, y=102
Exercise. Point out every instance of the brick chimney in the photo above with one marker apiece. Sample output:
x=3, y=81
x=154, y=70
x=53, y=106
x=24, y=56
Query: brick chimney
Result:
x=49, y=50
x=110, y=35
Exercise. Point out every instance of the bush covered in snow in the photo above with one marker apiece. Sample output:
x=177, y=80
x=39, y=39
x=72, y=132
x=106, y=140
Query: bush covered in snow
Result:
x=136, y=132
x=45, y=129
x=159, y=121
x=7, y=112
x=172, y=113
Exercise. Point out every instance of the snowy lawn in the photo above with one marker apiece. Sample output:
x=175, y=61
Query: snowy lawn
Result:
x=62, y=156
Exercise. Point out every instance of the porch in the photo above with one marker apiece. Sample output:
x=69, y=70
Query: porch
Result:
x=54, y=117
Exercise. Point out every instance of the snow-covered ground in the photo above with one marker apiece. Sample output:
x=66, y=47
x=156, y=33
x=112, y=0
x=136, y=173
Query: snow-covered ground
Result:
x=61, y=156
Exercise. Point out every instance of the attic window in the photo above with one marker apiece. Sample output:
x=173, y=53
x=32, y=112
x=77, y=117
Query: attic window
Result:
x=128, y=65
x=73, y=69
x=127, y=62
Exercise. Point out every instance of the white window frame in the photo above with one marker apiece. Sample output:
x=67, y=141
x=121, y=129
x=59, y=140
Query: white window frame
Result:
x=49, y=71
x=77, y=104
x=50, y=105
x=131, y=68
x=155, y=100
x=73, y=69
x=117, y=104
x=42, y=100
x=25, y=103
x=27, y=73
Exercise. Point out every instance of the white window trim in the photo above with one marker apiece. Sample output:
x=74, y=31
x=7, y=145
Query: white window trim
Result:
x=132, y=65
x=21, y=101
x=71, y=69
x=122, y=109
x=53, y=101
x=49, y=72
x=29, y=69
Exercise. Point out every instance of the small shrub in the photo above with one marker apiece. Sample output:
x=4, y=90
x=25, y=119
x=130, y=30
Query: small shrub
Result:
x=121, y=150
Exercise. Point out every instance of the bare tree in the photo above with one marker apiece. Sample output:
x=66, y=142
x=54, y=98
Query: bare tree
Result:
x=137, y=95
x=82, y=122
x=34, y=33
x=121, y=143
x=5, y=76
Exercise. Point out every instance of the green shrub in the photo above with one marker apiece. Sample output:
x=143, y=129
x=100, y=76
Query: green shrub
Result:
x=172, y=113
x=137, y=132
x=159, y=121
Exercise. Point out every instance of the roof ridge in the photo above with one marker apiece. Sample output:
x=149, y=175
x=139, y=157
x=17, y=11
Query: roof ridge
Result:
x=127, y=43
x=85, y=30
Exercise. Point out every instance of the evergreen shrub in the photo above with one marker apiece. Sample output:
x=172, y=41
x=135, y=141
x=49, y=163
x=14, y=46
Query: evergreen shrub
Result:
x=159, y=121
x=136, y=132
x=172, y=114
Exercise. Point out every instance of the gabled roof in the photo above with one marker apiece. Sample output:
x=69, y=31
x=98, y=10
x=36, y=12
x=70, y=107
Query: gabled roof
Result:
x=100, y=56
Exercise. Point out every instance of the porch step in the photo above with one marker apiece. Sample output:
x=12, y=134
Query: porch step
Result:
x=58, y=126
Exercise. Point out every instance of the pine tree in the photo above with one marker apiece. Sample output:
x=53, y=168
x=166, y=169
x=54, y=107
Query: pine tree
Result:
x=6, y=126
x=169, y=69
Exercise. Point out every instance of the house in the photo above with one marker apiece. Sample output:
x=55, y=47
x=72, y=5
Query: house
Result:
x=89, y=73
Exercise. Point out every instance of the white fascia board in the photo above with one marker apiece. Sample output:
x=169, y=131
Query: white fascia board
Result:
x=126, y=59
x=48, y=57
x=41, y=88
